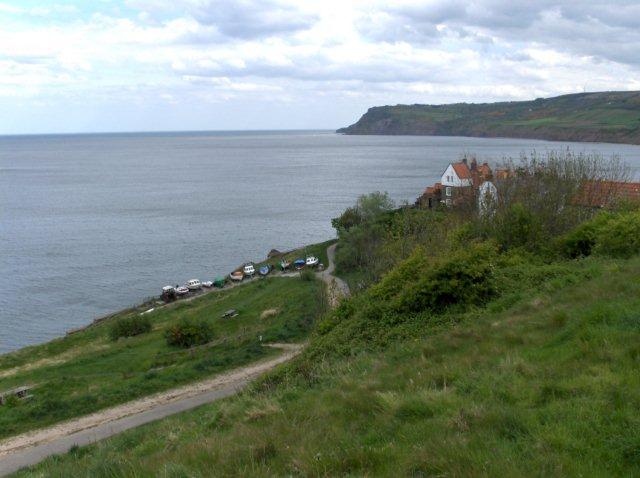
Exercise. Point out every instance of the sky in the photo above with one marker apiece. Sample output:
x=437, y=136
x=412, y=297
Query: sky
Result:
x=151, y=65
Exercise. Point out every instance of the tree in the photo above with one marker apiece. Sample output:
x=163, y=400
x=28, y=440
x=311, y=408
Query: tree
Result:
x=368, y=208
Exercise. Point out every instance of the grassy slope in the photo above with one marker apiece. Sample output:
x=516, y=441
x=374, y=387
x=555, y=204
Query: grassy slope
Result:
x=541, y=382
x=608, y=116
x=86, y=371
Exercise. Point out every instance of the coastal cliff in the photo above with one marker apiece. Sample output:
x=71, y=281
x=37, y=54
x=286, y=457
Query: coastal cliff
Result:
x=612, y=117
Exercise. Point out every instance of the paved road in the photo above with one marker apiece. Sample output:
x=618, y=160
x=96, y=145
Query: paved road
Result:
x=34, y=454
x=31, y=448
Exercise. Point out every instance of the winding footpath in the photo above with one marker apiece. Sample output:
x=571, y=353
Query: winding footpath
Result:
x=32, y=447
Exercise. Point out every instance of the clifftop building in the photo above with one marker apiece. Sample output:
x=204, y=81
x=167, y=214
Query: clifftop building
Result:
x=460, y=183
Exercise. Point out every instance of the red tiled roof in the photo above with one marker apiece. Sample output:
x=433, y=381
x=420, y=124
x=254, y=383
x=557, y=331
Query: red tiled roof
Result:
x=484, y=170
x=503, y=173
x=462, y=170
x=601, y=193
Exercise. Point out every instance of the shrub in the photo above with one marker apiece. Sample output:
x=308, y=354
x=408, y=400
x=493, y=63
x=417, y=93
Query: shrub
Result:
x=614, y=235
x=464, y=278
x=307, y=275
x=581, y=241
x=518, y=227
x=620, y=236
x=188, y=333
x=129, y=326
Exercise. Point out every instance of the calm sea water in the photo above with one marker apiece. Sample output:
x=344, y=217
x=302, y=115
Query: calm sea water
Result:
x=94, y=223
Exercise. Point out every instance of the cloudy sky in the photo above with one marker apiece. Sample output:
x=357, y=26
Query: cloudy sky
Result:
x=143, y=65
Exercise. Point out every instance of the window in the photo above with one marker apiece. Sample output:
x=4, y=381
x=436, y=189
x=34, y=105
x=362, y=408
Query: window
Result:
x=448, y=191
x=448, y=202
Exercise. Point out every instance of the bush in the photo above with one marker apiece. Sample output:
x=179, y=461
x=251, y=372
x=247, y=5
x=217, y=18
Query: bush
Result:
x=464, y=278
x=129, y=327
x=607, y=234
x=581, y=241
x=307, y=275
x=188, y=333
x=518, y=227
x=620, y=236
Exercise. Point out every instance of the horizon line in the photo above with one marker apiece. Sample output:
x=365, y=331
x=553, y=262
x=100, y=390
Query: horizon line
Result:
x=79, y=133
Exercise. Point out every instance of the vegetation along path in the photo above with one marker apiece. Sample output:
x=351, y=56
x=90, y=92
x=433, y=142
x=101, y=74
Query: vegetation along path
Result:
x=32, y=447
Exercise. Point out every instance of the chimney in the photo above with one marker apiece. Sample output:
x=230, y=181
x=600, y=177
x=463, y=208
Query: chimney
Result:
x=474, y=164
x=464, y=160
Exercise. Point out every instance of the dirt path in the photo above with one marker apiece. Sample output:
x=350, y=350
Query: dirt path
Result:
x=337, y=288
x=29, y=448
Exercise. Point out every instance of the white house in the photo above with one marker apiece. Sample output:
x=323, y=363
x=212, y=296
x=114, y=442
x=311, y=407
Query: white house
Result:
x=457, y=175
x=460, y=183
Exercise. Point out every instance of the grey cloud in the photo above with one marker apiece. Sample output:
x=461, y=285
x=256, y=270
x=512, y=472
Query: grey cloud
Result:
x=319, y=68
x=248, y=19
x=607, y=31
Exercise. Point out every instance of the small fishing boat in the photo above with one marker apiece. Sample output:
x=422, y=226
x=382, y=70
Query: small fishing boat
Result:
x=168, y=293
x=312, y=261
x=285, y=264
x=236, y=276
x=249, y=270
x=299, y=263
x=182, y=290
x=194, y=284
x=207, y=283
x=219, y=282
x=264, y=270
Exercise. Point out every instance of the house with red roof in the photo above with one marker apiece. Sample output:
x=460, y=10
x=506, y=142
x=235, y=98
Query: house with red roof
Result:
x=601, y=194
x=459, y=184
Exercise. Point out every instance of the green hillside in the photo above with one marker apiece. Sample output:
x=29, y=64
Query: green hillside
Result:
x=602, y=117
x=89, y=371
x=506, y=345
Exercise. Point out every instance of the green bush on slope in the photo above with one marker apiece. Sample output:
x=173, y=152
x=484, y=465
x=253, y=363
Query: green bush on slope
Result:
x=607, y=234
x=417, y=290
x=188, y=333
x=129, y=327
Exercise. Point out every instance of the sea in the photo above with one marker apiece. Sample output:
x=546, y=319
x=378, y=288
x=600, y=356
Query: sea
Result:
x=93, y=223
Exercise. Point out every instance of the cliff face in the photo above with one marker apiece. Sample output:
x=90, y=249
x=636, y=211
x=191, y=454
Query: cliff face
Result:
x=607, y=117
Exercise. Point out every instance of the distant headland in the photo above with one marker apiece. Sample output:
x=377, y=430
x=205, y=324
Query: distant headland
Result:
x=611, y=117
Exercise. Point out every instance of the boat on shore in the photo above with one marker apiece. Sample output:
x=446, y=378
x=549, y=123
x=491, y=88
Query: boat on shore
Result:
x=207, y=284
x=219, y=282
x=182, y=290
x=168, y=293
x=285, y=265
x=264, y=270
x=312, y=261
x=194, y=284
x=236, y=276
x=299, y=263
x=249, y=270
